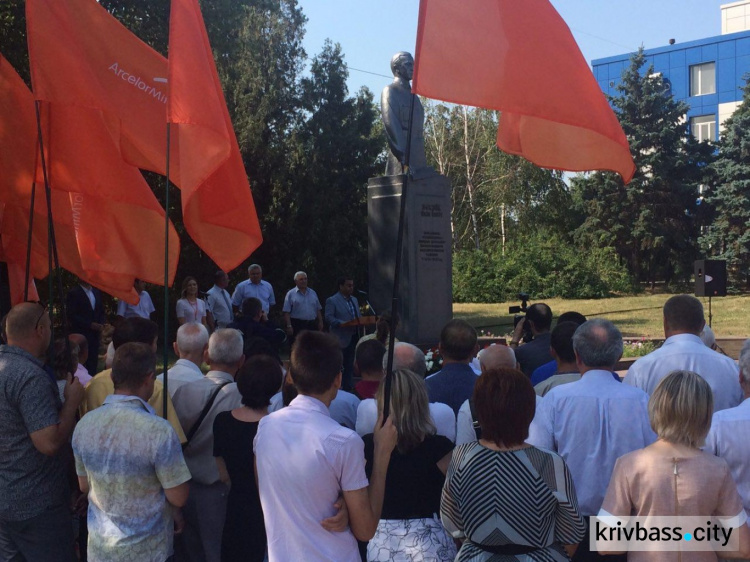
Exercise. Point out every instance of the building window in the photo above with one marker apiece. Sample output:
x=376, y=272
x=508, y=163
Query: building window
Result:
x=703, y=127
x=703, y=79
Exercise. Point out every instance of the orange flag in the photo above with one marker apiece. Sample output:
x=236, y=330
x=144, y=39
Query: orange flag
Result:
x=216, y=198
x=87, y=58
x=95, y=234
x=519, y=57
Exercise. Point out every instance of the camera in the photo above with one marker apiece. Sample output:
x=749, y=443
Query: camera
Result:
x=524, y=298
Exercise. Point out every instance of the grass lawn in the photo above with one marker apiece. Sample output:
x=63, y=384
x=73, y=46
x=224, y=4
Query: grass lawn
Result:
x=638, y=316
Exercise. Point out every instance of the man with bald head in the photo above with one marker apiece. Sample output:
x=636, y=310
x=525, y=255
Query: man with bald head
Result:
x=496, y=356
x=34, y=494
x=407, y=356
x=410, y=357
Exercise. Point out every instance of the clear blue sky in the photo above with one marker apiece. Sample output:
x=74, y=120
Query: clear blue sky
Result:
x=370, y=32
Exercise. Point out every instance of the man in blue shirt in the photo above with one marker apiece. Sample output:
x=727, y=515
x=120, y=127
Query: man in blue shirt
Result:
x=592, y=422
x=254, y=286
x=454, y=383
x=301, y=308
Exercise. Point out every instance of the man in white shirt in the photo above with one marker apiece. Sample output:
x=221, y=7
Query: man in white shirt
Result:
x=495, y=356
x=256, y=287
x=728, y=437
x=306, y=461
x=192, y=349
x=408, y=356
x=143, y=309
x=219, y=301
x=217, y=392
x=301, y=308
x=684, y=350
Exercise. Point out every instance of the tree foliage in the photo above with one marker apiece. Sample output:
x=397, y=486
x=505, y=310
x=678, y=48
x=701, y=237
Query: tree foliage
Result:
x=308, y=146
x=728, y=236
x=497, y=197
x=653, y=222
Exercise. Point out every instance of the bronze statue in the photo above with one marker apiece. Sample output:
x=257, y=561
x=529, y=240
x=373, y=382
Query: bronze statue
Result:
x=395, y=104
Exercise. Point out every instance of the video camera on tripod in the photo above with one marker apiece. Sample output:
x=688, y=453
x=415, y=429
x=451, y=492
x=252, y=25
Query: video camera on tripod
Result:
x=524, y=298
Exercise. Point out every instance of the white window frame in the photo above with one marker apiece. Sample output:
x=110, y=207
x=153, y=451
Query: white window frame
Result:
x=700, y=84
x=703, y=127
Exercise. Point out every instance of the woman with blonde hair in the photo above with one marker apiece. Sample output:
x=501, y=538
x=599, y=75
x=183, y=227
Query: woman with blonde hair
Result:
x=409, y=527
x=673, y=476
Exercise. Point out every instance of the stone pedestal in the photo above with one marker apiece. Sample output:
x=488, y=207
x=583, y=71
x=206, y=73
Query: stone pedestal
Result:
x=425, y=289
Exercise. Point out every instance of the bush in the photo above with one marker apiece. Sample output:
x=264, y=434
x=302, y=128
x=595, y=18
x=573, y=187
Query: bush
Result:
x=543, y=266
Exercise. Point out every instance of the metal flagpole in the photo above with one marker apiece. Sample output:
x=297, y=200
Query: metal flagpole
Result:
x=397, y=266
x=28, y=243
x=52, y=241
x=166, y=279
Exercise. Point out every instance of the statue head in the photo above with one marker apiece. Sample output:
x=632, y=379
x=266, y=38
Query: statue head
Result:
x=402, y=65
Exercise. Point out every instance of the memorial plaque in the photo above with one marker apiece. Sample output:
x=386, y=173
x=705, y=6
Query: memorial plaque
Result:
x=425, y=295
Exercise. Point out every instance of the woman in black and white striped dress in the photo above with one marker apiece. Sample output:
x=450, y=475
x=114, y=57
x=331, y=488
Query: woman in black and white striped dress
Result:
x=504, y=498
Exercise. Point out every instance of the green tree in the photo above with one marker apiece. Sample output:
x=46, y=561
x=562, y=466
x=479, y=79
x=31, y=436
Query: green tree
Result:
x=728, y=236
x=496, y=196
x=653, y=222
x=335, y=147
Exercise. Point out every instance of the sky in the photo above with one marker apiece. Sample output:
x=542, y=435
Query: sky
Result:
x=371, y=32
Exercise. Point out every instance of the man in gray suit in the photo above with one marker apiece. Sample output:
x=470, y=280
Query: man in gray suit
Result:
x=340, y=309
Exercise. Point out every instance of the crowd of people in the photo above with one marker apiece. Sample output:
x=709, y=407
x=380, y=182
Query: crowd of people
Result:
x=504, y=454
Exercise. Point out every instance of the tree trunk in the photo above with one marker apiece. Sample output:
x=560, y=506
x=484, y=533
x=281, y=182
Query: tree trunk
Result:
x=469, y=182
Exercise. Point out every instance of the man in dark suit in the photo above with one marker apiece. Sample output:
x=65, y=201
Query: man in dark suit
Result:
x=86, y=316
x=340, y=309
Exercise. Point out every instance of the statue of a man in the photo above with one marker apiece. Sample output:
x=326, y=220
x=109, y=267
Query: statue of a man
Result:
x=395, y=103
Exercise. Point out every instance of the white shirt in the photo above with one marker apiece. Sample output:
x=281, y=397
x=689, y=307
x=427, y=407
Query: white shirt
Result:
x=442, y=416
x=90, y=294
x=729, y=438
x=465, y=432
x=687, y=352
x=343, y=408
x=191, y=311
x=304, y=460
x=143, y=309
x=182, y=372
x=220, y=305
x=189, y=401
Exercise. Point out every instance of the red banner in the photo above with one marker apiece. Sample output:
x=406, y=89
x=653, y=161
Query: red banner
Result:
x=519, y=58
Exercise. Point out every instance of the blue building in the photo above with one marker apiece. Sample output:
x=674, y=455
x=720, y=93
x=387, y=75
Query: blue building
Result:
x=707, y=74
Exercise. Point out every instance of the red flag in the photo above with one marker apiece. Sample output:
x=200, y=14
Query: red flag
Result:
x=520, y=58
x=216, y=198
x=94, y=235
x=91, y=60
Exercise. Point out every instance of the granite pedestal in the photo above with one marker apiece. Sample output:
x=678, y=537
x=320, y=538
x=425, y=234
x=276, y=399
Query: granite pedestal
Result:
x=425, y=290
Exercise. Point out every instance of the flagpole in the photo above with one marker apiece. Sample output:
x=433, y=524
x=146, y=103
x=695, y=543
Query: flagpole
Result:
x=52, y=241
x=28, y=243
x=165, y=395
x=397, y=266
